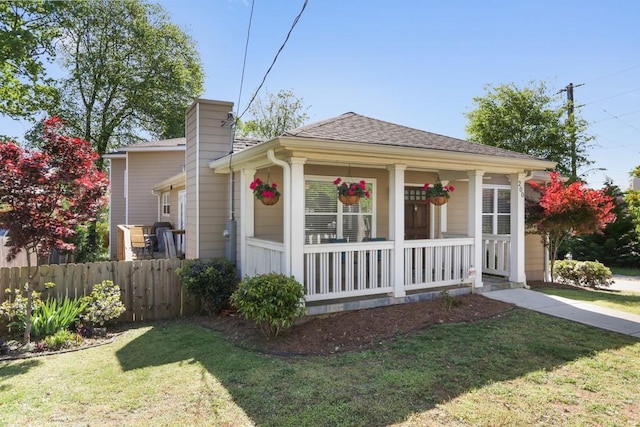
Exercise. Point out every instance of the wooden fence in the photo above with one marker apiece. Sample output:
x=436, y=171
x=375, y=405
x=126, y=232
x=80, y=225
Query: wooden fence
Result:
x=150, y=289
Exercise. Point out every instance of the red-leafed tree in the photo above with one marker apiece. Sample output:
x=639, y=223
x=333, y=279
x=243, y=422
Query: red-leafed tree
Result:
x=567, y=209
x=45, y=194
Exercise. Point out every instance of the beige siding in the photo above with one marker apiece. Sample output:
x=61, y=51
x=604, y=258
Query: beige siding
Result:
x=458, y=209
x=146, y=169
x=534, y=260
x=208, y=142
x=116, y=203
x=269, y=219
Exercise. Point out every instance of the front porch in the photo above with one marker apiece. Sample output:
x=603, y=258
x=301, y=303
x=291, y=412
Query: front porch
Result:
x=363, y=274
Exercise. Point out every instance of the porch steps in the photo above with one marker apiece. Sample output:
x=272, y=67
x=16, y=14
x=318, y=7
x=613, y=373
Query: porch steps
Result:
x=491, y=283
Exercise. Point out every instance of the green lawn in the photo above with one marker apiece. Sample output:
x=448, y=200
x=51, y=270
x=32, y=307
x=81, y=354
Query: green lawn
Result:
x=619, y=300
x=522, y=368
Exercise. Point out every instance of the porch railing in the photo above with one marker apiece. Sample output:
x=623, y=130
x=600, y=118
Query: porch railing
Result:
x=264, y=256
x=433, y=263
x=340, y=270
x=496, y=253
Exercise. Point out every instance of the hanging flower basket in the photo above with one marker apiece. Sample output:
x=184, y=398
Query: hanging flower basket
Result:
x=349, y=200
x=351, y=193
x=269, y=201
x=437, y=193
x=268, y=194
x=438, y=200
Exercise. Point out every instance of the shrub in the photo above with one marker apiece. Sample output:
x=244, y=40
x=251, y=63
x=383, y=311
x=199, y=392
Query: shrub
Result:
x=212, y=281
x=13, y=311
x=62, y=339
x=53, y=316
x=103, y=304
x=271, y=300
x=590, y=274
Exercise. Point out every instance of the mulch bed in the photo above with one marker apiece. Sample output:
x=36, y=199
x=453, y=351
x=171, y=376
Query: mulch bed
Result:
x=354, y=330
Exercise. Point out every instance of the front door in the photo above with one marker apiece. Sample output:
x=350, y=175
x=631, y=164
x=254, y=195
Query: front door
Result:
x=416, y=214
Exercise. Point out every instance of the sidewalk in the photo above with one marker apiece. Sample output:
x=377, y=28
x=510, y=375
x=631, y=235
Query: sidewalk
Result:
x=582, y=312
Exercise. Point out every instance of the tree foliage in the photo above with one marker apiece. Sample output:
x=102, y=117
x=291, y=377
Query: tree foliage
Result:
x=617, y=245
x=46, y=194
x=566, y=209
x=131, y=71
x=274, y=115
x=528, y=120
x=28, y=29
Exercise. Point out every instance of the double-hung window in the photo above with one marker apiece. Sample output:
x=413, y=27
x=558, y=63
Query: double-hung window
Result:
x=166, y=204
x=326, y=219
x=496, y=209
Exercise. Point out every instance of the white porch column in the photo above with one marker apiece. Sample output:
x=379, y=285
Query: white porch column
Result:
x=296, y=224
x=475, y=223
x=247, y=228
x=396, y=226
x=517, y=255
x=443, y=215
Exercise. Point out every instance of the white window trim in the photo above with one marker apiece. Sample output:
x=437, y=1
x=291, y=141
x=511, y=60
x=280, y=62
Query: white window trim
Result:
x=496, y=214
x=339, y=212
x=165, y=202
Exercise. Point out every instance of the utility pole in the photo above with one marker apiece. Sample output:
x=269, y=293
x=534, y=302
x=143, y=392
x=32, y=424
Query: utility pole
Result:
x=572, y=124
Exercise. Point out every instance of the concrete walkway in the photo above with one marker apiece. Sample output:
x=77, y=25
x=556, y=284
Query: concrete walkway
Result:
x=582, y=312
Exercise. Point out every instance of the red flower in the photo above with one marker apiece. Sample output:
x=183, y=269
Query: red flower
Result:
x=337, y=181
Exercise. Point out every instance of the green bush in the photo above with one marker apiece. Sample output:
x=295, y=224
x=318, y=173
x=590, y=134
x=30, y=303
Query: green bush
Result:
x=13, y=310
x=103, y=304
x=591, y=274
x=62, y=339
x=271, y=300
x=212, y=281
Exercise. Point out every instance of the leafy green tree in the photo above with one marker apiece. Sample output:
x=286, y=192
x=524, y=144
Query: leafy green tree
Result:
x=131, y=72
x=274, y=115
x=28, y=29
x=528, y=120
x=632, y=198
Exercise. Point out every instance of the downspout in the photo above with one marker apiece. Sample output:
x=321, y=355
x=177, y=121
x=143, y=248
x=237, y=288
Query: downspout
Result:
x=286, y=169
x=231, y=229
x=158, y=206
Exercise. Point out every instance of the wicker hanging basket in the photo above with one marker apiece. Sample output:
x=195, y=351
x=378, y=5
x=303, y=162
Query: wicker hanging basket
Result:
x=349, y=200
x=270, y=201
x=438, y=200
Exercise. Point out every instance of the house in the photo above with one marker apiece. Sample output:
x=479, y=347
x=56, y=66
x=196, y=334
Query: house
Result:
x=392, y=245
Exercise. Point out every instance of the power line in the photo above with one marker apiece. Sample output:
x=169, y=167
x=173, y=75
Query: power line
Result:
x=293, y=25
x=244, y=61
x=610, y=97
x=619, y=115
x=619, y=119
x=613, y=74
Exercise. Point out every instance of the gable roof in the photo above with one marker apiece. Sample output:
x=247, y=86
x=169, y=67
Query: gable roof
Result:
x=355, y=128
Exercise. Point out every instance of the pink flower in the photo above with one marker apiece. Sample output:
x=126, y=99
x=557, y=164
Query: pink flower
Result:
x=367, y=194
x=451, y=188
x=426, y=186
x=253, y=185
x=352, y=192
x=267, y=193
x=337, y=181
x=274, y=185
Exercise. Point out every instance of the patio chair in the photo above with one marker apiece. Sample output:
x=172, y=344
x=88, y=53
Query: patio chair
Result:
x=140, y=243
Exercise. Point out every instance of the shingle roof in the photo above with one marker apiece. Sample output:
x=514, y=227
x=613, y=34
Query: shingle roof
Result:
x=240, y=144
x=355, y=128
x=175, y=142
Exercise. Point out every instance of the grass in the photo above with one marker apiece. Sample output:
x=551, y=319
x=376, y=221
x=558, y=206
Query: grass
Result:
x=619, y=300
x=523, y=368
x=625, y=271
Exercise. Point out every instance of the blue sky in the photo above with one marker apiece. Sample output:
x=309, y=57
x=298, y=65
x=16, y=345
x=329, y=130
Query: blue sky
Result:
x=420, y=63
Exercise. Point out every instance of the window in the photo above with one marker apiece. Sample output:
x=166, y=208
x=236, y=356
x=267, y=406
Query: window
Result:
x=166, y=204
x=496, y=210
x=326, y=218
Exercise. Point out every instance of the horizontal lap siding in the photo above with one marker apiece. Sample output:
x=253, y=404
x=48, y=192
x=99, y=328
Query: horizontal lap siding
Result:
x=146, y=170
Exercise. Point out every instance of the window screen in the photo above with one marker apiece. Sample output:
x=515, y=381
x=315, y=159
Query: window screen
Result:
x=496, y=210
x=326, y=218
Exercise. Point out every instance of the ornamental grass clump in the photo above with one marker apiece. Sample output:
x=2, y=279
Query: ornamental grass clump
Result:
x=273, y=301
